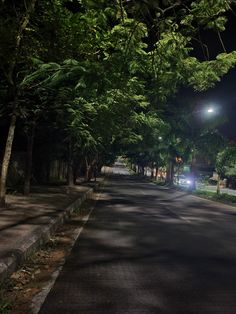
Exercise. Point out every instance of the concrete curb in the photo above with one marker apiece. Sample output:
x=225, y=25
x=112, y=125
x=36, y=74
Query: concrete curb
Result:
x=15, y=258
x=40, y=297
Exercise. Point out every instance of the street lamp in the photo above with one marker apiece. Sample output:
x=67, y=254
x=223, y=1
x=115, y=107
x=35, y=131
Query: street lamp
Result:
x=210, y=110
x=206, y=113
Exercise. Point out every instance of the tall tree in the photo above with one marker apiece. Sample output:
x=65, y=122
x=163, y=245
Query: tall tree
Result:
x=12, y=34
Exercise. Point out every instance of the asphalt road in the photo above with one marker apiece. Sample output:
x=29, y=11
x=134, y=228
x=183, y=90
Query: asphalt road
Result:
x=147, y=249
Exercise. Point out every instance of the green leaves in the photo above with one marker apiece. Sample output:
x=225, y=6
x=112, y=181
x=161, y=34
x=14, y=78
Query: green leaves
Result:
x=53, y=74
x=104, y=74
x=226, y=160
x=203, y=75
x=209, y=13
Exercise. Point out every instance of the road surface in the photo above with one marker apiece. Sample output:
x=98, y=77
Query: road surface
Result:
x=148, y=249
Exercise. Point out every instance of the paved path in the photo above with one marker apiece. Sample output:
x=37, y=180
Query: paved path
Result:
x=27, y=220
x=147, y=249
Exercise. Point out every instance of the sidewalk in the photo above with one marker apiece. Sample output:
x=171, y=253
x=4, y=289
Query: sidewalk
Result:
x=28, y=221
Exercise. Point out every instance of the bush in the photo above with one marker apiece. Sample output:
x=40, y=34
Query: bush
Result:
x=226, y=197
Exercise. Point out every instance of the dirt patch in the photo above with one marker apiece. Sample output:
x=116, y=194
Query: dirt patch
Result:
x=37, y=271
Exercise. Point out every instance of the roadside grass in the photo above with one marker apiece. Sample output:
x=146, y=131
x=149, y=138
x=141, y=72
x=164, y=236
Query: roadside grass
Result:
x=223, y=197
x=5, y=303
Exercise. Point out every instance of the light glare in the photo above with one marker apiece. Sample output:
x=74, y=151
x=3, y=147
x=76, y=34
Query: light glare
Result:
x=210, y=110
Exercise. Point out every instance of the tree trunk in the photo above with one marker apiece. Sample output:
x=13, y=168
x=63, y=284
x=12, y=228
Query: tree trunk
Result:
x=178, y=169
x=86, y=170
x=70, y=174
x=64, y=170
x=170, y=173
x=88, y=175
x=76, y=172
x=193, y=174
x=89, y=172
x=10, y=78
x=218, y=185
x=156, y=173
x=61, y=170
x=91, y=168
x=28, y=170
x=6, y=161
x=152, y=170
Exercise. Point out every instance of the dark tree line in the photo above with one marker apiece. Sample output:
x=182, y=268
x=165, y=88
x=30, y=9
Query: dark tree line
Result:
x=84, y=81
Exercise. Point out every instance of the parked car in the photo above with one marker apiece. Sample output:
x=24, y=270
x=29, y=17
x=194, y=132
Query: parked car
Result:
x=182, y=180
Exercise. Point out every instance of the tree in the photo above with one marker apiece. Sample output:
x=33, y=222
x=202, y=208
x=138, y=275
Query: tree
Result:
x=29, y=30
x=12, y=35
x=114, y=63
x=225, y=163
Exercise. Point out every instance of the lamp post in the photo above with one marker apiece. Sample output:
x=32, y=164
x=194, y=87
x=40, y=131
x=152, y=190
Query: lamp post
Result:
x=207, y=112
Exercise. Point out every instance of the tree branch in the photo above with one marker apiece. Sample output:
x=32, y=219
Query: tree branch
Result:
x=23, y=24
x=221, y=41
x=163, y=11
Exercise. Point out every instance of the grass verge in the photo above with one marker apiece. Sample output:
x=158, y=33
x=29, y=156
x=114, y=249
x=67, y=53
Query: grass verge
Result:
x=223, y=197
x=5, y=304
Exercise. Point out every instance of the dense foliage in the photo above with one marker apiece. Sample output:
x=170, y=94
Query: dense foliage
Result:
x=86, y=81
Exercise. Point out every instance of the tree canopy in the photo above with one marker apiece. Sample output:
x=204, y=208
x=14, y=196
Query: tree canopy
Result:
x=90, y=80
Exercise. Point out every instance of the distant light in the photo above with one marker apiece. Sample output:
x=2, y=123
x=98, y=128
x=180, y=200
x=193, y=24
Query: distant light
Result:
x=160, y=138
x=189, y=182
x=210, y=110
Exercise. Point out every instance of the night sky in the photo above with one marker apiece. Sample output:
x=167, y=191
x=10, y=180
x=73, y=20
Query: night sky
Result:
x=223, y=95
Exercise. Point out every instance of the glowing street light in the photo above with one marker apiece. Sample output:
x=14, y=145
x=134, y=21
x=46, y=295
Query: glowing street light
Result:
x=210, y=110
x=206, y=110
